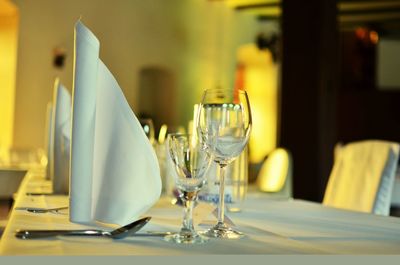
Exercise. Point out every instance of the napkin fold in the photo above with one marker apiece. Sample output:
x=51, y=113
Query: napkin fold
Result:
x=114, y=175
x=61, y=127
x=49, y=140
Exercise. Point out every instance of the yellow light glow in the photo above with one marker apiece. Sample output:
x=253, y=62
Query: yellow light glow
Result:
x=236, y=3
x=260, y=82
x=266, y=11
x=8, y=57
x=272, y=7
x=274, y=171
x=163, y=133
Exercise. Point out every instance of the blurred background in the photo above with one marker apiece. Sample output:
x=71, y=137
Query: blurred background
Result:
x=317, y=72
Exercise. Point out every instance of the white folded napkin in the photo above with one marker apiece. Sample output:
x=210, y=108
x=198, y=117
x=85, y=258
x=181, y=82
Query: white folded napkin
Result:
x=61, y=131
x=115, y=176
x=49, y=140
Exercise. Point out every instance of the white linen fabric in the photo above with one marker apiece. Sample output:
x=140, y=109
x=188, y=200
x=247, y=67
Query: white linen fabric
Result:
x=115, y=176
x=271, y=227
x=61, y=131
x=362, y=176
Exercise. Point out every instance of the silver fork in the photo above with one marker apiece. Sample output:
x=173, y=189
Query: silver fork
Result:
x=41, y=210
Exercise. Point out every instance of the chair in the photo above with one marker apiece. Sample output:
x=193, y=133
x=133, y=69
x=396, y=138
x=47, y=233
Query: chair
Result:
x=362, y=176
x=3, y=224
x=275, y=176
x=3, y=216
x=395, y=201
x=10, y=180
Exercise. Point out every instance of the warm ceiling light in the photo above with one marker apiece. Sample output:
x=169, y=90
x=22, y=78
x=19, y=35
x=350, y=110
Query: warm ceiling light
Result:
x=374, y=37
x=361, y=33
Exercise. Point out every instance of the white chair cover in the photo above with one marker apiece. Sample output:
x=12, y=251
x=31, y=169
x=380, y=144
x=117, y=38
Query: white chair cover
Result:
x=362, y=176
x=275, y=175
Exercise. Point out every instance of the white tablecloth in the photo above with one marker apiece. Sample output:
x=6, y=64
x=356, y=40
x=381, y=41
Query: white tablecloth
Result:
x=271, y=227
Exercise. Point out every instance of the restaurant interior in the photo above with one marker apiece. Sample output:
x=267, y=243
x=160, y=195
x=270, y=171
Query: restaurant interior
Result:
x=321, y=77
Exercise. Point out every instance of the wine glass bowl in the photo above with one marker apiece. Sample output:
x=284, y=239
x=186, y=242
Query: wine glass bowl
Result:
x=191, y=162
x=224, y=124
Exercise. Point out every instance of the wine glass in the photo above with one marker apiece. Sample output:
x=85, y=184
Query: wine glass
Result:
x=223, y=125
x=191, y=162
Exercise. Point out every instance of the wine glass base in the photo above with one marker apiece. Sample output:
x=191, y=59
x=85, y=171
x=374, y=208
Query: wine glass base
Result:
x=221, y=230
x=234, y=209
x=186, y=238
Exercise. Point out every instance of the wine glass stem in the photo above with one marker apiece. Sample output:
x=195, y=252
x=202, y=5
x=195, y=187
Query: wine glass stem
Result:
x=221, y=208
x=188, y=214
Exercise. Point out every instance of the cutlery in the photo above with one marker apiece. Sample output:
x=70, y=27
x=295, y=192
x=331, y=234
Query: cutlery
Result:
x=41, y=193
x=118, y=233
x=41, y=210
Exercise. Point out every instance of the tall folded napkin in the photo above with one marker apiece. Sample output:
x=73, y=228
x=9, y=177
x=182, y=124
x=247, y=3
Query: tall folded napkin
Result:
x=49, y=140
x=115, y=176
x=61, y=131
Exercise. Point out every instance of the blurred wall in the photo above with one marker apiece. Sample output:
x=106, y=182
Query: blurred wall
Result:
x=388, y=64
x=195, y=39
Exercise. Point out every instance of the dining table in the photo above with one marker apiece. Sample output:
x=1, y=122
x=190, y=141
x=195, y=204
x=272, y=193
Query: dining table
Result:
x=271, y=225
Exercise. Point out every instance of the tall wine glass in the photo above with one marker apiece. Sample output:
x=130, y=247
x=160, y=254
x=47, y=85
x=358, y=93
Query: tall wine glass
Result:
x=191, y=162
x=223, y=125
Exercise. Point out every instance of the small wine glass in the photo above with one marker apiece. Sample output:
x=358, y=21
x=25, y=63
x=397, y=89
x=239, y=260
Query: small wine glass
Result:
x=191, y=162
x=224, y=124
